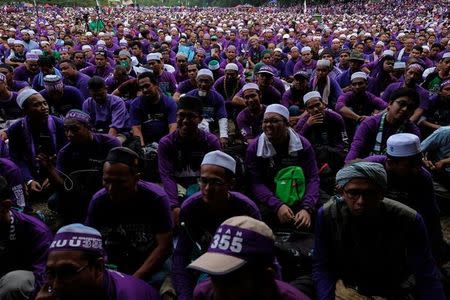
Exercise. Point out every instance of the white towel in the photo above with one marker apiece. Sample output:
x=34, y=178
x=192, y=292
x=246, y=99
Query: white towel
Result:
x=265, y=148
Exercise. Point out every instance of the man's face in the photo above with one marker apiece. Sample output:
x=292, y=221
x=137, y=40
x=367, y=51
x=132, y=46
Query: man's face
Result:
x=300, y=83
x=306, y=56
x=336, y=45
x=26, y=37
x=444, y=65
x=156, y=66
x=412, y=76
x=99, y=95
x=37, y=107
x=192, y=72
x=136, y=51
x=355, y=65
x=231, y=75
x=445, y=92
x=264, y=79
x=182, y=63
x=187, y=122
x=359, y=86
x=7, y=73
x=315, y=106
x=214, y=184
x=71, y=276
x=415, y=53
x=388, y=65
x=252, y=99
x=76, y=132
x=100, y=61
x=204, y=83
x=434, y=51
x=78, y=58
x=19, y=48
x=231, y=54
x=147, y=88
x=401, y=109
x=199, y=57
x=344, y=58
x=119, y=181
x=120, y=75
x=274, y=126
x=277, y=56
x=322, y=72
x=409, y=44
x=108, y=41
x=295, y=54
x=403, y=167
x=362, y=196
x=378, y=48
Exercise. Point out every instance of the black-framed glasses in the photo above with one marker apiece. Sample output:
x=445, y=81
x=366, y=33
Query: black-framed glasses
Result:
x=63, y=273
x=211, y=181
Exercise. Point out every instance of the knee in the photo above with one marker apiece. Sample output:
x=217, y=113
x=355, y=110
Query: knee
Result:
x=16, y=283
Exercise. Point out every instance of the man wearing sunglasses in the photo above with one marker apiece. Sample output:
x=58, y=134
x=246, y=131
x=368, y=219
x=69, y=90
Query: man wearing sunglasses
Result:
x=369, y=247
x=76, y=270
x=24, y=242
x=203, y=212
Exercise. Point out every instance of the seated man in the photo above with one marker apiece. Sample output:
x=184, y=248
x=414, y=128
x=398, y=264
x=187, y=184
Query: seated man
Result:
x=47, y=66
x=73, y=77
x=367, y=246
x=325, y=85
x=294, y=95
x=101, y=67
x=12, y=174
x=277, y=148
x=438, y=114
x=60, y=98
x=108, y=113
x=81, y=162
x=181, y=152
x=12, y=84
x=153, y=114
x=410, y=184
x=249, y=120
x=203, y=212
x=36, y=133
x=437, y=149
x=229, y=85
x=165, y=80
x=9, y=110
x=213, y=105
x=24, y=244
x=188, y=84
x=358, y=103
x=28, y=70
x=133, y=217
x=244, y=270
x=66, y=261
x=371, y=136
x=325, y=130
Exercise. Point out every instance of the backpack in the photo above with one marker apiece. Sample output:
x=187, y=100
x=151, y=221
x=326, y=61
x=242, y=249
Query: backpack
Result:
x=290, y=185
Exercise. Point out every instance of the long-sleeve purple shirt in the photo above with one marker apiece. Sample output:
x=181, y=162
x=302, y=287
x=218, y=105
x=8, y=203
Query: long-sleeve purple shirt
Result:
x=179, y=160
x=111, y=114
x=361, y=105
x=80, y=82
x=365, y=136
x=94, y=71
x=197, y=232
x=262, y=172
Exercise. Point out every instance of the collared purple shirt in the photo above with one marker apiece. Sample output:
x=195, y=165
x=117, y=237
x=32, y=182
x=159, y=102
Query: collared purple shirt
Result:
x=111, y=114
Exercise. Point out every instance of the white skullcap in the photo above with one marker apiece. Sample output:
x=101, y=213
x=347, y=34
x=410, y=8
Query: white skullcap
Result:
x=123, y=42
x=343, y=36
x=359, y=75
x=101, y=42
x=44, y=43
x=24, y=95
x=23, y=31
x=286, y=36
x=168, y=39
x=403, y=145
x=10, y=41
x=37, y=51
x=446, y=55
x=250, y=86
x=399, y=65
x=31, y=56
x=19, y=42
x=12, y=29
x=335, y=40
x=291, y=29
x=221, y=159
x=380, y=43
x=232, y=66
x=278, y=50
x=86, y=47
x=311, y=95
x=205, y=72
x=305, y=49
x=88, y=33
x=401, y=34
x=279, y=109
x=101, y=34
x=323, y=63
x=426, y=48
x=154, y=56
x=388, y=53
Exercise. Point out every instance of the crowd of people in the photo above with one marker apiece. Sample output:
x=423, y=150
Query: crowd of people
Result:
x=225, y=153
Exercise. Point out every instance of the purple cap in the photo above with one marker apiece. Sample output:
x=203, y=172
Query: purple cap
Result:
x=78, y=115
x=238, y=241
x=77, y=237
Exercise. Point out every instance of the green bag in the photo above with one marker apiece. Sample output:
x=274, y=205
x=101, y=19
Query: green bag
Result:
x=290, y=185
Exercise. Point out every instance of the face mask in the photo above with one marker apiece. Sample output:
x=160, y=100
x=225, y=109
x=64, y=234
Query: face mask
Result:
x=202, y=93
x=124, y=63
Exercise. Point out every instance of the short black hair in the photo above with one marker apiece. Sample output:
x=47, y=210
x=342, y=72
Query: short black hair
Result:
x=136, y=43
x=8, y=67
x=148, y=75
x=96, y=83
x=46, y=61
x=418, y=48
x=68, y=61
x=406, y=92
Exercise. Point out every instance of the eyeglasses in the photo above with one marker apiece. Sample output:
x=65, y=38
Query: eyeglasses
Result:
x=355, y=194
x=210, y=181
x=406, y=104
x=63, y=273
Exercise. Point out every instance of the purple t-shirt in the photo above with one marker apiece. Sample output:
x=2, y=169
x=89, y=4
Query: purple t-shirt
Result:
x=22, y=74
x=17, y=85
x=308, y=68
x=167, y=83
x=94, y=71
x=205, y=291
x=179, y=160
x=119, y=286
x=250, y=126
x=128, y=229
x=70, y=99
x=199, y=227
x=9, y=109
x=365, y=136
x=11, y=172
x=111, y=114
x=80, y=82
x=213, y=105
x=154, y=119
x=360, y=105
x=186, y=86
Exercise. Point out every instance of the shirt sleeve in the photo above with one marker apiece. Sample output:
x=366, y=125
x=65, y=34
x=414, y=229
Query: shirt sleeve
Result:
x=359, y=143
x=119, y=114
x=167, y=173
x=309, y=166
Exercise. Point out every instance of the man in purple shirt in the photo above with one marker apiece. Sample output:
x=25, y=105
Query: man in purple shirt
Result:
x=306, y=63
x=101, y=67
x=180, y=153
x=367, y=245
x=242, y=268
x=187, y=85
x=203, y=212
x=166, y=81
x=108, y=113
x=9, y=109
x=153, y=114
x=371, y=136
x=249, y=120
x=72, y=77
x=24, y=244
x=77, y=270
x=412, y=77
x=358, y=104
x=278, y=147
x=12, y=84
